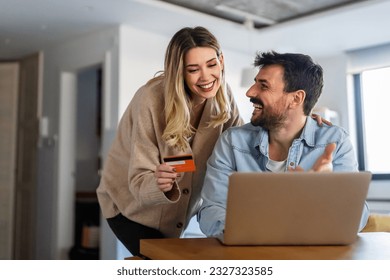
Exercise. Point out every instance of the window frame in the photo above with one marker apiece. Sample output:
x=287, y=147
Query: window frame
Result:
x=360, y=128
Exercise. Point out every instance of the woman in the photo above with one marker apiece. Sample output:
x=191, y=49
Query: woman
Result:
x=181, y=112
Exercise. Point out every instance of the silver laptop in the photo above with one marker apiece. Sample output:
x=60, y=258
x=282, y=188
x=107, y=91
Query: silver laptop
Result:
x=302, y=208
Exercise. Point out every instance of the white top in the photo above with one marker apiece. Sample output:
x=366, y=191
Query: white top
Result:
x=276, y=166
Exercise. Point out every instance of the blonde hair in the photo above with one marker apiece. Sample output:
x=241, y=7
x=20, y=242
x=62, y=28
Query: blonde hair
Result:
x=178, y=104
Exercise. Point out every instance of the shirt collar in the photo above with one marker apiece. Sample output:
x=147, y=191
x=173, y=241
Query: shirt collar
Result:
x=261, y=141
x=308, y=132
x=307, y=135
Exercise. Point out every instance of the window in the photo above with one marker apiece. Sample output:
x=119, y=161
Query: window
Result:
x=372, y=95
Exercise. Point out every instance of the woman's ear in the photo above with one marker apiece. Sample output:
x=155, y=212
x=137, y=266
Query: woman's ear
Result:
x=221, y=61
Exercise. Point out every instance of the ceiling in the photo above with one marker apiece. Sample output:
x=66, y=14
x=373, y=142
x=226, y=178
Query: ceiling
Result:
x=261, y=13
x=27, y=26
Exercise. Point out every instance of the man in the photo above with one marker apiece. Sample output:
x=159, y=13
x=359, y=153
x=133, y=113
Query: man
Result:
x=281, y=137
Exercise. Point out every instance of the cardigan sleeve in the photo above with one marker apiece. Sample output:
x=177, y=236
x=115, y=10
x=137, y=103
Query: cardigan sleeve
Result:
x=145, y=140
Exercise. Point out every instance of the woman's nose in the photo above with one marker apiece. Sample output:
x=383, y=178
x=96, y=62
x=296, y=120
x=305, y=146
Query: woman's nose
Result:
x=204, y=73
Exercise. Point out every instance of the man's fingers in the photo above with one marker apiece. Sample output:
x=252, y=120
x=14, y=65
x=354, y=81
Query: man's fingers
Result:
x=328, y=153
x=324, y=162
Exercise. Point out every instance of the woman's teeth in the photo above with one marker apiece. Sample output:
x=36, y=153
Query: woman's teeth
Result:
x=207, y=86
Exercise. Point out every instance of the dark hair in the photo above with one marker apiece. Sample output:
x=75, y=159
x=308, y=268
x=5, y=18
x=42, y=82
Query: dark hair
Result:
x=300, y=73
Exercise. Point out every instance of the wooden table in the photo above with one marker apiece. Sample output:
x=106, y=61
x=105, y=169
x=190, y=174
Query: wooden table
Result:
x=368, y=246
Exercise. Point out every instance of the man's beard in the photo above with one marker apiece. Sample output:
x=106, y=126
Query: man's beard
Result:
x=269, y=119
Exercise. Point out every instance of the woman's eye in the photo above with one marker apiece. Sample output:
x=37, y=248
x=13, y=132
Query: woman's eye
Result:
x=213, y=65
x=192, y=70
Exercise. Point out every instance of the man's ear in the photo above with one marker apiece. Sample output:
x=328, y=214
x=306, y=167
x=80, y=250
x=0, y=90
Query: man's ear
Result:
x=298, y=98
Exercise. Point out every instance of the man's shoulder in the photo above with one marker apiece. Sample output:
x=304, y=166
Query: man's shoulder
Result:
x=326, y=133
x=332, y=130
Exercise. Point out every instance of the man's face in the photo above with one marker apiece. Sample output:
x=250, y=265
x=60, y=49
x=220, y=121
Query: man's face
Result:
x=269, y=100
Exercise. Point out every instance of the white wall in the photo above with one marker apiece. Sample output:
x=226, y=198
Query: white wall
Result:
x=141, y=56
x=235, y=62
x=335, y=86
x=55, y=195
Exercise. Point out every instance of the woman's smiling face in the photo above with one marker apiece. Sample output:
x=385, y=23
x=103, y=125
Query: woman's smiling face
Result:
x=202, y=73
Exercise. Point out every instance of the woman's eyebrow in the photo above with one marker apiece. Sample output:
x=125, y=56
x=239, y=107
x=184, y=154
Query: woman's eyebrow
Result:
x=193, y=65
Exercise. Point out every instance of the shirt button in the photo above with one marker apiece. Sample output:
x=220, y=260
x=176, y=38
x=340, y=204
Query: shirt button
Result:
x=292, y=164
x=186, y=191
x=179, y=225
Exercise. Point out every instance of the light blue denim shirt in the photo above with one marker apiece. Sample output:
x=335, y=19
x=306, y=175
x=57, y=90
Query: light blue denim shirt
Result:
x=245, y=149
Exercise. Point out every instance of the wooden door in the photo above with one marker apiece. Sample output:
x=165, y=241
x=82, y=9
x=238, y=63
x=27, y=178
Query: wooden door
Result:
x=26, y=163
x=8, y=123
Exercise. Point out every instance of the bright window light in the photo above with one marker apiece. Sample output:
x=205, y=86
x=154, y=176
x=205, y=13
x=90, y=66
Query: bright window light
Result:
x=376, y=106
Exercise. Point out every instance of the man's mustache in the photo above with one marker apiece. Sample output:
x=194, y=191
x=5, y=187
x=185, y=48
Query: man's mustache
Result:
x=256, y=101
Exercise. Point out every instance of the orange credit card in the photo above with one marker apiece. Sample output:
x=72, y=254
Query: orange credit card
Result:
x=182, y=163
